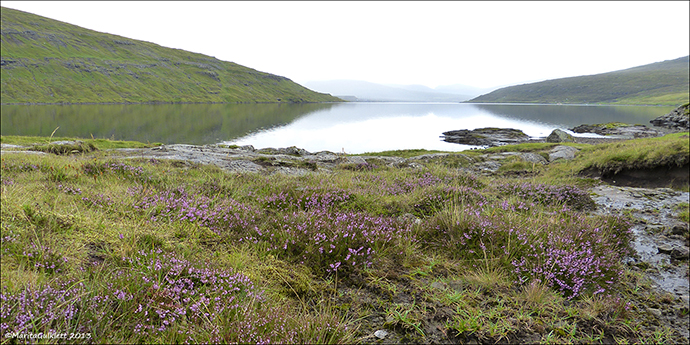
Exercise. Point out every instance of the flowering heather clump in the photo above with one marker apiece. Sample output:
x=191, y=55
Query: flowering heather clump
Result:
x=171, y=289
x=44, y=258
x=575, y=258
x=155, y=295
x=7, y=181
x=333, y=241
x=567, y=251
x=24, y=167
x=179, y=205
x=99, y=200
x=69, y=190
x=308, y=199
x=548, y=195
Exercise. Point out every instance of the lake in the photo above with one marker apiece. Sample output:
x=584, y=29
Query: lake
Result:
x=352, y=127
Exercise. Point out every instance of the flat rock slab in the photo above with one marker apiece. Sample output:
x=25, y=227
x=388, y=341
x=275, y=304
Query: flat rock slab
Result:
x=562, y=152
x=291, y=161
x=489, y=136
x=654, y=206
x=619, y=131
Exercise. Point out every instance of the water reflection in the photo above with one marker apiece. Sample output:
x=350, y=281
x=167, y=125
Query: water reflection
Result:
x=370, y=127
x=354, y=127
x=166, y=123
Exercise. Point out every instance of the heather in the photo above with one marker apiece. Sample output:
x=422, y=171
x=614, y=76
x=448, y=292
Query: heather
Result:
x=154, y=251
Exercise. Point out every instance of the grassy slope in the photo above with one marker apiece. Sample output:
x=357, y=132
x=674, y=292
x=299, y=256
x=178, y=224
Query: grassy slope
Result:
x=81, y=228
x=661, y=83
x=48, y=61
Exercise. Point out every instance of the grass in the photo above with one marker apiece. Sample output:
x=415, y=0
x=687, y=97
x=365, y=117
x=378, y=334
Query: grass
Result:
x=54, y=62
x=98, y=144
x=661, y=83
x=133, y=251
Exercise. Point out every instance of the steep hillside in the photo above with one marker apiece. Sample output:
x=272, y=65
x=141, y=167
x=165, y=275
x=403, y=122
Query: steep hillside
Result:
x=661, y=83
x=48, y=61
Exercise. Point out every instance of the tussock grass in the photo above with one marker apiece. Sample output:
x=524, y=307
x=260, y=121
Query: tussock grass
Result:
x=152, y=251
x=670, y=150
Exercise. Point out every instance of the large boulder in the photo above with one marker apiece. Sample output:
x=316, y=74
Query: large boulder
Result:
x=559, y=136
x=679, y=119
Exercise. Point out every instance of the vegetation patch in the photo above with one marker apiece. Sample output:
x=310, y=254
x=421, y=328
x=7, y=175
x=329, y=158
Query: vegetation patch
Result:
x=151, y=251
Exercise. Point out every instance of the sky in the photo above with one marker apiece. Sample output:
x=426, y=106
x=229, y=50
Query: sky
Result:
x=482, y=44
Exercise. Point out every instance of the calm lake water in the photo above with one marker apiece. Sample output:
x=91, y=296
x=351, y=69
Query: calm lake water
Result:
x=352, y=127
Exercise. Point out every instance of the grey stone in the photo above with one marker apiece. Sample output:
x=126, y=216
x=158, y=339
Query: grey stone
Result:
x=533, y=157
x=679, y=119
x=654, y=312
x=409, y=217
x=559, y=136
x=381, y=333
x=664, y=249
x=618, y=130
x=491, y=166
x=438, y=285
x=681, y=253
x=679, y=229
x=562, y=152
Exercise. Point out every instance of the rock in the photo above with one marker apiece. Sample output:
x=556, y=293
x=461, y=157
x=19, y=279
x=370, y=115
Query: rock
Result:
x=679, y=119
x=619, y=130
x=559, y=136
x=409, y=217
x=533, y=157
x=679, y=229
x=681, y=253
x=438, y=285
x=664, y=249
x=490, y=166
x=489, y=136
x=381, y=333
x=654, y=312
x=562, y=152
x=294, y=151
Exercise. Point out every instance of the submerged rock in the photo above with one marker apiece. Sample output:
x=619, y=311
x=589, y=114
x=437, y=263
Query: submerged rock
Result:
x=489, y=136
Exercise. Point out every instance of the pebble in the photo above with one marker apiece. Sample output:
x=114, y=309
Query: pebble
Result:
x=380, y=334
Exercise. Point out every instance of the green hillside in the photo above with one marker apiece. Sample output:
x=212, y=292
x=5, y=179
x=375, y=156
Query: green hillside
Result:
x=48, y=61
x=661, y=83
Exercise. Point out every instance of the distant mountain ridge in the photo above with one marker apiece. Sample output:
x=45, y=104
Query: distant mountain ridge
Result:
x=660, y=83
x=372, y=92
x=48, y=61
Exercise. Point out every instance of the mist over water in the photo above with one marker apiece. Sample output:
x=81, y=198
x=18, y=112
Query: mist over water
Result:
x=352, y=127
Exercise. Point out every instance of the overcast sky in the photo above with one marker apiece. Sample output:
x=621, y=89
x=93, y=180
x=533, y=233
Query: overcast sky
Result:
x=482, y=44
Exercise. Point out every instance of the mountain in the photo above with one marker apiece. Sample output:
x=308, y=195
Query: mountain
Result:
x=357, y=90
x=48, y=61
x=660, y=83
x=465, y=89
